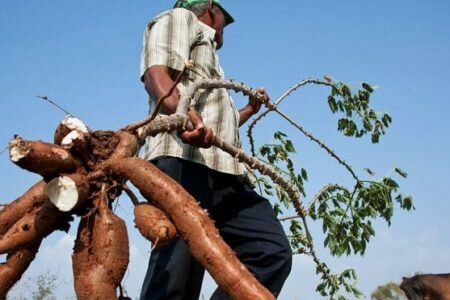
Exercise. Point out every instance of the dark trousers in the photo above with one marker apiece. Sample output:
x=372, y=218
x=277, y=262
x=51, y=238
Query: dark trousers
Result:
x=245, y=220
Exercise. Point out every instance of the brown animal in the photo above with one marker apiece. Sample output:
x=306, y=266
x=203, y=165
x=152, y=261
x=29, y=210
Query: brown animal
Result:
x=427, y=287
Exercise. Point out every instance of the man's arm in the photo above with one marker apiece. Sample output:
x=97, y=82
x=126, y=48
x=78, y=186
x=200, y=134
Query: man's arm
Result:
x=252, y=107
x=158, y=82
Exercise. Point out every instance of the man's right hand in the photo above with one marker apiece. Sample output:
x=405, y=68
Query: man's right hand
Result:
x=201, y=136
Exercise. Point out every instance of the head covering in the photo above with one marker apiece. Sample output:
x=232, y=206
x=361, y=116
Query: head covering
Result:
x=188, y=3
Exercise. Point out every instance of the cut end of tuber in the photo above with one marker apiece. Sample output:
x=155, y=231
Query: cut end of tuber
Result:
x=70, y=138
x=18, y=149
x=75, y=124
x=63, y=193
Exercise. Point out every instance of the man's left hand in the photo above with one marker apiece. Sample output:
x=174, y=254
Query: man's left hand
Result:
x=201, y=136
x=253, y=106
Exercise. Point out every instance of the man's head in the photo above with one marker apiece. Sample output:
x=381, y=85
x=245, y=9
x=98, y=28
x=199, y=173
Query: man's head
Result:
x=211, y=13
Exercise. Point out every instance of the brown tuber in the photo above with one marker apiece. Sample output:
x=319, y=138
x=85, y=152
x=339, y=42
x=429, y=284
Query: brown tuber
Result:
x=11, y=213
x=16, y=264
x=101, y=254
x=153, y=224
x=33, y=226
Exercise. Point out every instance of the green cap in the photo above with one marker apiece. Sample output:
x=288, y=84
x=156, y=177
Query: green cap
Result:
x=188, y=3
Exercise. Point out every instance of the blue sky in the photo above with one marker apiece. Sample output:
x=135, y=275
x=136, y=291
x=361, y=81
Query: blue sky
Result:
x=85, y=55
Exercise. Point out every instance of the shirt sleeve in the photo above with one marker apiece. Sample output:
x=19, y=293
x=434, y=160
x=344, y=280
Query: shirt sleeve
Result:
x=167, y=40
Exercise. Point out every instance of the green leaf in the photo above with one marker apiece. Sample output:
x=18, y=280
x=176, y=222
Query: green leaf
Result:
x=350, y=129
x=375, y=137
x=342, y=124
x=289, y=146
x=385, y=120
x=390, y=183
x=367, y=87
x=279, y=135
x=277, y=209
x=367, y=125
x=304, y=174
x=346, y=90
x=401, y=172
x=332, y=103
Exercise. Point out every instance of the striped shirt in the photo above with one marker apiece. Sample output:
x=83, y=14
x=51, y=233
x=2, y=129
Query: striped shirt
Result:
x=171, y=39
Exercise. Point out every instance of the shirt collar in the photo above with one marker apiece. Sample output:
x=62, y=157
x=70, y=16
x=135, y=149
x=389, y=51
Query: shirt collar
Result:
x=208, y=31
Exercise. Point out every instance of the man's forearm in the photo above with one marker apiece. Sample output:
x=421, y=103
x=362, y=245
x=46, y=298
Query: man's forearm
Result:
x=245, y=114
x=159, y=82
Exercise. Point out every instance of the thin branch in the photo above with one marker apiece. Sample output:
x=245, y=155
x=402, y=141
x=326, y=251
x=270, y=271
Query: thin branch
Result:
x=4, y=150
x=349, y=203
x=276, y=103
x=288, y=218
x=130, y=194
x=135, y=126
x=45, y=98
x=301, y=84
x=317, y=141
x=250, y=130
x=326, y=189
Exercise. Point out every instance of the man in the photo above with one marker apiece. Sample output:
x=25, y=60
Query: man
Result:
x=193, y=30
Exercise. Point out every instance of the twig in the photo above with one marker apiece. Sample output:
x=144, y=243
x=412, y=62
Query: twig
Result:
x=349, y=202
x=288, y=218
x=4, y=150
x=277, y=102
x=135, y=126
x=45, y=98
x=250, y=130
x=301, y=84
x=130, y=194
x=155, y=244
x=326, y=189
x=317, y=141
x=116, y=205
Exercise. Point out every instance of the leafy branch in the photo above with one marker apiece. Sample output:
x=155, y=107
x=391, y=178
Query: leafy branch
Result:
x=346, y=213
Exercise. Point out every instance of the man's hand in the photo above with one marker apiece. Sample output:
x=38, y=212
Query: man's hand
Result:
x=254, y=103
x=253, y=106
x=201, y=136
